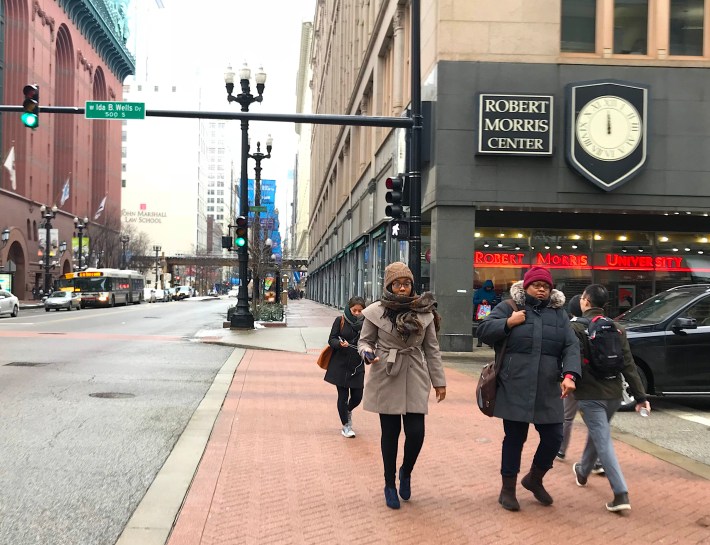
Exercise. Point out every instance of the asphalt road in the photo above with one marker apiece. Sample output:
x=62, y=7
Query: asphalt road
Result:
x=73, y=466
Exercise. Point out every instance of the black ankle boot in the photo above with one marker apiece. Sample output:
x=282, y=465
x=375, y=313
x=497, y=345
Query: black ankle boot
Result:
x=533, y=482
x=507, y=494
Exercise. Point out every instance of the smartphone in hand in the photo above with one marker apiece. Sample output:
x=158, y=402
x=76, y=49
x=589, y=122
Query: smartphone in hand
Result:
x=369, y=356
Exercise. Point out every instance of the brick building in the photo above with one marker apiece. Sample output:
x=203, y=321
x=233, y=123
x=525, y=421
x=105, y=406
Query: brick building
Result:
x=75, y=51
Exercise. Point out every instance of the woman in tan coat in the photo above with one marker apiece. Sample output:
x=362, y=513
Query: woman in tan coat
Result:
x=398, y=338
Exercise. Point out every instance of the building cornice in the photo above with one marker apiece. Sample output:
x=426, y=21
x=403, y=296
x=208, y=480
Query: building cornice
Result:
x=100, y=28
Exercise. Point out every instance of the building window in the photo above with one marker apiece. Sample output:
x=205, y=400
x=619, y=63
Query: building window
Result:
x=174, y=88
x=155, y=88
x=579, y=26
x=123, y=183
x=687, y=27
x=631, y=27
x=140, y=87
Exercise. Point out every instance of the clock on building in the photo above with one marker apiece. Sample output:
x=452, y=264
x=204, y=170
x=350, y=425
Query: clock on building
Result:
x=606, y=133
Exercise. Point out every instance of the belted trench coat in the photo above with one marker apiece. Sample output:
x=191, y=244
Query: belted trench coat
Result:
x=401, y=381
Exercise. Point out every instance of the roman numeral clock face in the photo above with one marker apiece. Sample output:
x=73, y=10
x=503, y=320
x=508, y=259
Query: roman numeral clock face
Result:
x=608, y=128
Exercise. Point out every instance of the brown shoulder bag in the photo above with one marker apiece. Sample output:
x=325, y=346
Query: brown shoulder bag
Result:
x=323, y=360
x=488, y=381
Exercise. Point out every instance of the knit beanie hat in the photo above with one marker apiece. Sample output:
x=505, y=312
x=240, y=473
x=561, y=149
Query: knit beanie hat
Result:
x=537, y=273
x=397, y=270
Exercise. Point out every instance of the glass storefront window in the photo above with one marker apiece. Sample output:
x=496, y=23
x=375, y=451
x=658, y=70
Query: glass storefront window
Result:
x=687, y=27
x=682, y=258
x=380, y=262
x=631, y=27
x=568, y=256
x=578, y=26
x=501, y=256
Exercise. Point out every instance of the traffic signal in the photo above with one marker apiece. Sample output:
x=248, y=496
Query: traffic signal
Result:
x=240, y=235
x=227, y=242
x=394, y=196
x=30, y=116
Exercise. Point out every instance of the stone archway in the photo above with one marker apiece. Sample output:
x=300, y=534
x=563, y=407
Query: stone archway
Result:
x=17, y=263
x=66, y=267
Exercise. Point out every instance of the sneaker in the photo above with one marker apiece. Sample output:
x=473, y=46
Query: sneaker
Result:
x=598, y=468
x=391, y=497
x=560, y=455
x=620, y=503
x=581, y=479
x=347, y=431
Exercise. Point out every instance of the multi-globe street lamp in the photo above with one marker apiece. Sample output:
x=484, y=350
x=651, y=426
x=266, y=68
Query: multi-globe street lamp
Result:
x=258, y=249
x=242, y=317
x=80, y=226
x=48, y=214
x=156, y=249
x=124, y=242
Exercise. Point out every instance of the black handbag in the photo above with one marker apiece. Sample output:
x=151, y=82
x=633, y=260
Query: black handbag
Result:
x=488, y=381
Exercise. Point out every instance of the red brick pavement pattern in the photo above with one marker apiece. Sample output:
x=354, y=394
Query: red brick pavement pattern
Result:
x=277, y=471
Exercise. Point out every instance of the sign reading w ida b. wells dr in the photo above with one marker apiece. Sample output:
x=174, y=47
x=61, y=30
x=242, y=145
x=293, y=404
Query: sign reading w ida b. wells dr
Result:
x=601, y=261
x=514, y=124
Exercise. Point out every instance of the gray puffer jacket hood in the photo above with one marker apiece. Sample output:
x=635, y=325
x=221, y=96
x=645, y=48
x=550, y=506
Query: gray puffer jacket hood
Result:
x=517, y=293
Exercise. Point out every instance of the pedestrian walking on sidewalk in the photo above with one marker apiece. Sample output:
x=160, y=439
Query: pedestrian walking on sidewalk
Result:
x=600, y=398
x=539, y=370
x=570, y=402
x=346, y=369
x=399, y=339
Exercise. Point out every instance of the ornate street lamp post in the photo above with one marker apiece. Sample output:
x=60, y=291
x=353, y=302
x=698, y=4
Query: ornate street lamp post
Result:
x=48, y=214
x=258, y=249
x=124, y=242
x=242, y=317
x=80, y=226
x=156, y=249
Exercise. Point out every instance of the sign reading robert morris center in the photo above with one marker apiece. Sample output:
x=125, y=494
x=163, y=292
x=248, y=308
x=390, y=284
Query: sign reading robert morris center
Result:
x=514, y=124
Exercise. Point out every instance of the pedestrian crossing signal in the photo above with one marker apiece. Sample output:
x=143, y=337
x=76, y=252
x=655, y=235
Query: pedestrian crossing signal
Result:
x=30, y=115
x=240, y=235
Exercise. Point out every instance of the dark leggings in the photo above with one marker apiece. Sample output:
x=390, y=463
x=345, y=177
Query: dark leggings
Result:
x=391, y=425
x=348, y=399
x=516, y=433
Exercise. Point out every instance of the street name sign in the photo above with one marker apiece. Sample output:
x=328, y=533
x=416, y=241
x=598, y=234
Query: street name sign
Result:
x=101, y=109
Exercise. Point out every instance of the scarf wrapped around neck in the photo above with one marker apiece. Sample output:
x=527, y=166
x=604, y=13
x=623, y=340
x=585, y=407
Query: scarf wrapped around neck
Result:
x=355, y=322
x=403, y=310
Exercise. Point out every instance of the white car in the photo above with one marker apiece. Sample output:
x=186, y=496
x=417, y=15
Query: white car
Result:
x=149, y=295
x=161, y=295
x=9, y=304
x=62, y=299
x=234, y=292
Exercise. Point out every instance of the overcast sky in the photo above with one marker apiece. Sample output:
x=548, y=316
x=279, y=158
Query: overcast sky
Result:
x=193, y=42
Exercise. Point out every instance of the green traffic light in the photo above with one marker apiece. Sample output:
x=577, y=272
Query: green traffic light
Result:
x=30, y=120
x=240, y=242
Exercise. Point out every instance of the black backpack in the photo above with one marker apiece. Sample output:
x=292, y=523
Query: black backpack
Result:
x=605, y=355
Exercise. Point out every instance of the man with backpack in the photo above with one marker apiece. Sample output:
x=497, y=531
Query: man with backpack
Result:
x=605, y=356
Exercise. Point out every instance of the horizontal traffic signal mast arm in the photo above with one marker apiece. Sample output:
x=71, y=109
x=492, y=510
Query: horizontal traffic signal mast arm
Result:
x=315, y=119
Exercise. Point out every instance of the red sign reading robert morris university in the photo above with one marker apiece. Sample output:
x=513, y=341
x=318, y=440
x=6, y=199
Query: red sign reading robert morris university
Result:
x=576, y=261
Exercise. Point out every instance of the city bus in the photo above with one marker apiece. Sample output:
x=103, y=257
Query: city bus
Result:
x=104, y=287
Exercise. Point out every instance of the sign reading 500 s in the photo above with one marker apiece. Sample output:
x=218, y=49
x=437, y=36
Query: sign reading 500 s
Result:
x=514, y=124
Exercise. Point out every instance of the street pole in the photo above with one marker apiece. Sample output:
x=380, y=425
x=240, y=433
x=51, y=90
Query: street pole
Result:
x=242, y=317
x=80, y=226
x=48, y=214
x=156, y=249
x=124, y=242
x=415, y=174
x=258, y=250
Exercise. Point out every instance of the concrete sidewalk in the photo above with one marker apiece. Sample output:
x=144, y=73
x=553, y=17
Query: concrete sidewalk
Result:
x=277, y=470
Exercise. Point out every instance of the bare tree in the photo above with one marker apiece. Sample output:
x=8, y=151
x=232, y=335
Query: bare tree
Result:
x=138, y=245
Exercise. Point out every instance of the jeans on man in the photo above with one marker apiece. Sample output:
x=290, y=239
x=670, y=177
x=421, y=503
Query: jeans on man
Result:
x=570, y=412
x=597, y=415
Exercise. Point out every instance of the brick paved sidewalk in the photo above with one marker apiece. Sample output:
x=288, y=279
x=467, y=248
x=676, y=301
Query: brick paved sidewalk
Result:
x=277, y=471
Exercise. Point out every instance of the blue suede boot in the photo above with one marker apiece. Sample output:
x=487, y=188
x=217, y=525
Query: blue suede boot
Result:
x=405, y=486
x=391, y=497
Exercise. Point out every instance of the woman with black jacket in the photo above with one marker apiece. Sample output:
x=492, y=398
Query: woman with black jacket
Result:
x=346, y=369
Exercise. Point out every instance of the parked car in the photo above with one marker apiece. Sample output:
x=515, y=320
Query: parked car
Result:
x=183, y=292
x=9, y=304
x=149, y=295
x=234, y=292
x=171, y=293
x=161, y=295
x=669, y=335
x=62, y=299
